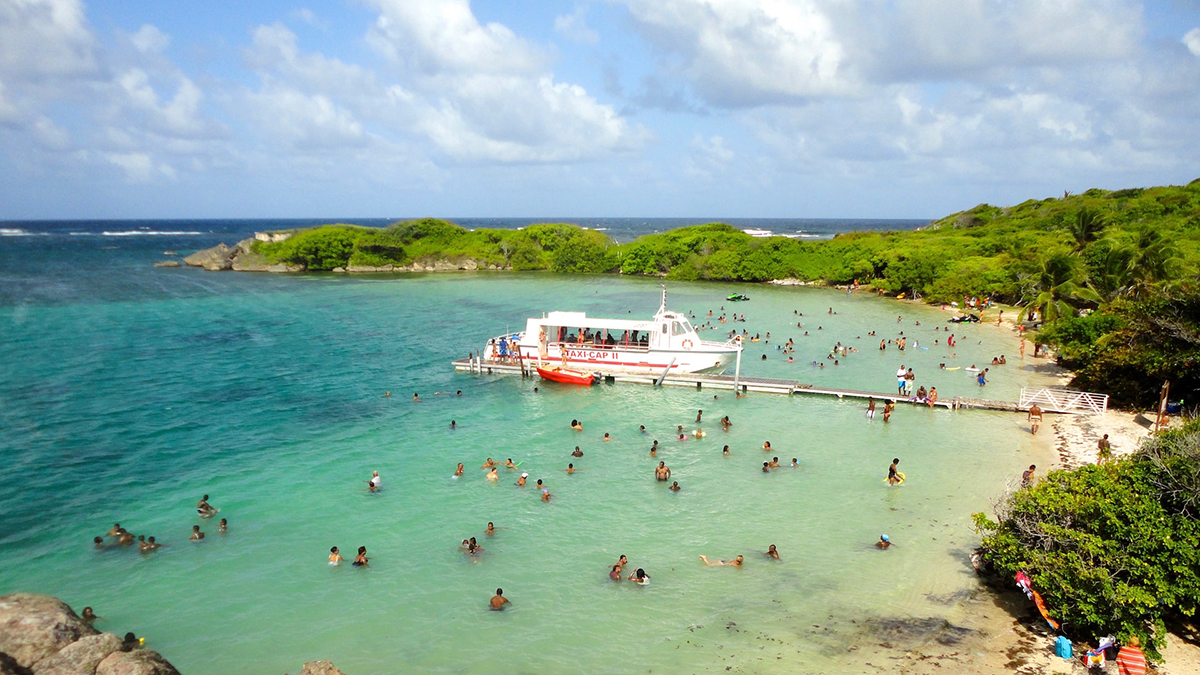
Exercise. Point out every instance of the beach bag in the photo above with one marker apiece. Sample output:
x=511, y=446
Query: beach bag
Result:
x=1062, y=647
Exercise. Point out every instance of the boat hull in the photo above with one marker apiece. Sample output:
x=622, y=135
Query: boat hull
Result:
x=567, y=376
x=632, y=362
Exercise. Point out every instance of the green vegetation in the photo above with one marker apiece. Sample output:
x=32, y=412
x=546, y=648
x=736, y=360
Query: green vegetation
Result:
x=1112, y=548
x=555, y=247
x=1132, y=255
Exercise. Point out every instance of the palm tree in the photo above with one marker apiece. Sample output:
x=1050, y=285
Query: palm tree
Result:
x=1154, y=261
x=1109, y=274
x=1086, y=228
x=1059, y=283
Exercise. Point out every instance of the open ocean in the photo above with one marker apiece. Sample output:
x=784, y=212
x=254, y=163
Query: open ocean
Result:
x=128, y=391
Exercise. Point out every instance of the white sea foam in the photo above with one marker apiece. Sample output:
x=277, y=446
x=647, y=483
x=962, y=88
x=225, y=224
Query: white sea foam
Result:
x=150, y=233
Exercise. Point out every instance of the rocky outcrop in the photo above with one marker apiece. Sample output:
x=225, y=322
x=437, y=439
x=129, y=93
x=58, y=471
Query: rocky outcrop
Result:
x=239, y=258
x=136, y=662
x=81, y=656
x=320, y=668
x=215, y=259
x=41, y=635
x=34, y=627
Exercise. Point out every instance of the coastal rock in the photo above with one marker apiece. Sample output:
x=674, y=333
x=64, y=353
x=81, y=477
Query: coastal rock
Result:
x=82, y=656
x=320, y=668
x=168, y=263
x=217, y=258
x=33, y=627
x=136, y=662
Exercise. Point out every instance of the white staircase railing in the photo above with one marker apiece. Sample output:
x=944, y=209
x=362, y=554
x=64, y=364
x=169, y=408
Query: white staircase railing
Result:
x=1064, y=400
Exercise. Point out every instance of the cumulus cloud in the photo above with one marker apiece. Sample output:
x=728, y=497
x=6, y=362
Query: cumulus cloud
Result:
x=1192, y=40
x=150, y=39
x=45, y=38
x=708, y=156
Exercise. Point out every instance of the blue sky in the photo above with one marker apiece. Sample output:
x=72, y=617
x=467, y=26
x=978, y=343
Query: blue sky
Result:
x=690, y=108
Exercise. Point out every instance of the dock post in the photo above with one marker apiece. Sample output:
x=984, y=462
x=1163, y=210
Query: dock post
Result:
x=665, y=371
x=737, y=370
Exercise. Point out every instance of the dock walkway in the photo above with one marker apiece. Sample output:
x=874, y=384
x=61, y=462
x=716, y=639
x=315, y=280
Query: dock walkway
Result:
x=766, y=385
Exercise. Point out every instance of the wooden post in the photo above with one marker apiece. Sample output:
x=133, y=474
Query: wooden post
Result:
x=1163, y=399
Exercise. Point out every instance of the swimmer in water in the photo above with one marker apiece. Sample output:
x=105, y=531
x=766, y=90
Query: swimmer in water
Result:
x=577, y=452
x=615, y=572
x=725, y=423
x=459, y=470
x=883, y=542
x=204, y=509
x=509, y=464
x=607, y=437
x=736, y=562
x=152, y=545
x=115, y=531
x=675, y=486
x=521, y=480
x=772, y=552
x=725, y=451
x=642, y=428
x=491, y=529
x=774, y=463
x=197, y=535
x=99, y=543
x=766, y=467
x=576, y=425
x=546, y=495
x=640, y=576
x=335, y=556
x=387, y=394
x=416, y=399
x=662, y=472
x=654, y=449
x=699, y=414
x=570, y=468
x=498, y=601
x=539, y=484
x=223, y=526
x=89, y=616
x=489, y=464
x=767, y=446
x=453, y=424
x=142, y=545
x=361, y=559
x=492, y=475
x=795, y=463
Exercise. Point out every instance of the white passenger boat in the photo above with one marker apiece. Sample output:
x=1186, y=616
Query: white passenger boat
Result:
x=575, y=340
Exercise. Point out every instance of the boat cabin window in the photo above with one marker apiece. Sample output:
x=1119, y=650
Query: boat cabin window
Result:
x=678, y=328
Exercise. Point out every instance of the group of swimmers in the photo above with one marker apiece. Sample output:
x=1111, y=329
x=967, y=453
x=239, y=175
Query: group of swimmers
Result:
x=122, y=538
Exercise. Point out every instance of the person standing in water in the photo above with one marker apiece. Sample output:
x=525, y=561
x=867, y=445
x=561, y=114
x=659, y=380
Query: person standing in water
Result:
x=335, y=556
x=870, y=407
x=892, y=478
x=662, y=472
x=375, y=481
x=498, y=600
x=459, y=470
x=884, y=542
x=675, y=487
x=197, y=535
x=772, y=552
x=361, y=559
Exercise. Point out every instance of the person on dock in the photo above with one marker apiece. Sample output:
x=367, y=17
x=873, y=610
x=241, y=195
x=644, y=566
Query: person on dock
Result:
x=772, y=552
x=1035, y=418
x=884, y=542
x=933, y=397
x=892, y=478
x=900, y=380
x=1027, y=476
x=662, y=472
x=909, y=380
x=736, y=562
x=1104, y=449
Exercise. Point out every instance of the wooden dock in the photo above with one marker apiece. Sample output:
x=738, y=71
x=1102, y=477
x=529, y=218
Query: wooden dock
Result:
x=765, y=385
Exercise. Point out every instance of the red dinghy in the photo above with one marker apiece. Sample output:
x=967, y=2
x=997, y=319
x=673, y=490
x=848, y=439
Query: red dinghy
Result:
x=567, y=376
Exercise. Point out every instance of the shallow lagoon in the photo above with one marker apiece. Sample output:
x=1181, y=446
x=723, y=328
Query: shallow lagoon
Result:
x=266, y=393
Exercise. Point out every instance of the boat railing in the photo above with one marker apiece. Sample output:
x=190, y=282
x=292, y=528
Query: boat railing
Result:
x=632, y=346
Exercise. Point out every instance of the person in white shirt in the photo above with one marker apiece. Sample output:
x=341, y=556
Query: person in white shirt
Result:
x=900, y=382
x=375, y=481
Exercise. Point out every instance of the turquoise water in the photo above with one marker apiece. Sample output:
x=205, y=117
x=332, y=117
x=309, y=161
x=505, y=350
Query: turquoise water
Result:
x=266, y=393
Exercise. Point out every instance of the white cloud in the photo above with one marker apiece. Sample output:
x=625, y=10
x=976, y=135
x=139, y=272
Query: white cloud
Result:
x=1192, y=40
x=45, y=38
x=708, y=156
x=574, y=27
x=139, y=167
x=150, y=39
x=749, y=52
x=306, y=15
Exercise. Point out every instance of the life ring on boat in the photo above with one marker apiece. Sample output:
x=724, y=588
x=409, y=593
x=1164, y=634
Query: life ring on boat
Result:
x=687, y=344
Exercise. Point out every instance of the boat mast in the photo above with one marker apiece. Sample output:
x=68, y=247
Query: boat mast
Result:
x=663, y=307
